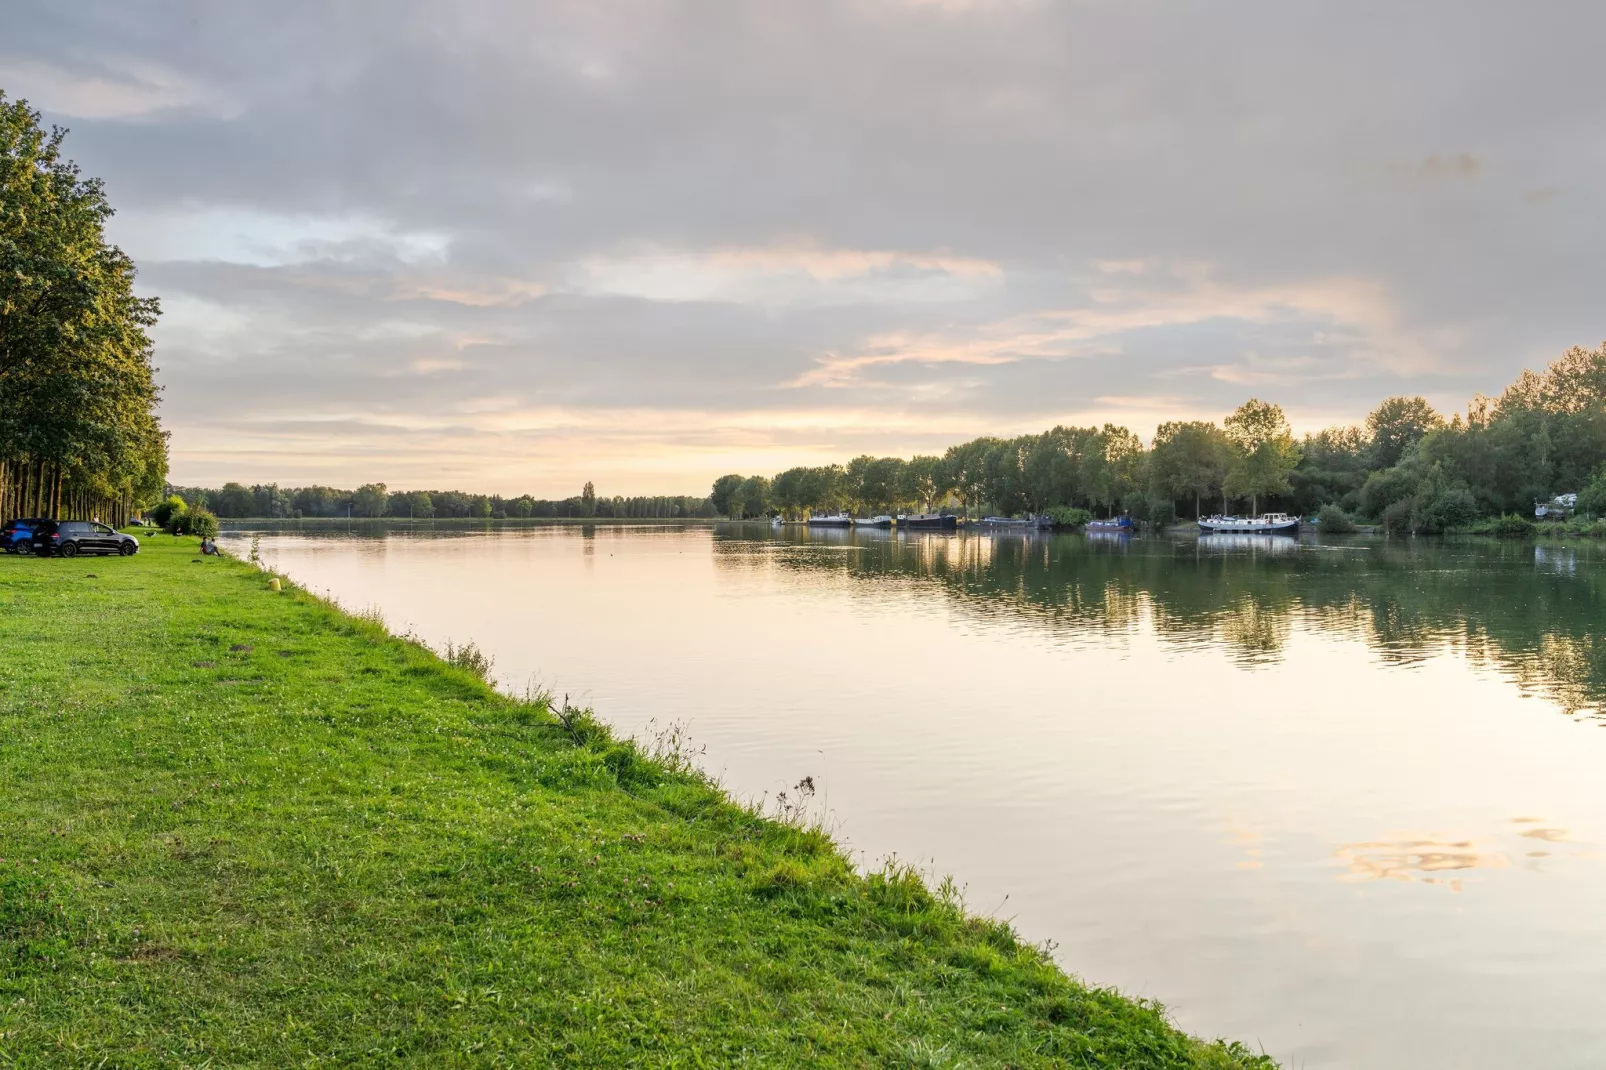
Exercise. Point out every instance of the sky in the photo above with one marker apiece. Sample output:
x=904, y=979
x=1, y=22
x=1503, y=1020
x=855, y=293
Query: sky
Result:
x=513, y=245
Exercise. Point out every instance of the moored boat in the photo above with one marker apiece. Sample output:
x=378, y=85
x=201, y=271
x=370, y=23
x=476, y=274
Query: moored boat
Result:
x=1121, y=524
x=1264, y=524
x=928, y=522
x=832, y=520
x=882, y=521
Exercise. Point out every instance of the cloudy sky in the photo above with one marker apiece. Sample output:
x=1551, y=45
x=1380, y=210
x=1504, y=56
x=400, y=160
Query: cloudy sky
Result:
x=510, y=245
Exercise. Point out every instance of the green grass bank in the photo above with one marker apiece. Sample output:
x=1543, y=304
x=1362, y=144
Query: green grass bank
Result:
x=240, y=828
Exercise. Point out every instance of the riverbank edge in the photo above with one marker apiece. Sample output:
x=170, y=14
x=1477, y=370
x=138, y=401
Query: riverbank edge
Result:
x=786, y=867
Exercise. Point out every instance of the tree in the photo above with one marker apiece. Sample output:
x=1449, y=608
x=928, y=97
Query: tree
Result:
x=1398, y=424
x=880, y=485
x=967, y=470
x=926, y=482
x=234, y=500
x=371, y=500
x=1263, y=452
x=588, y=499
x=786, y=491
x=78, y=431
x=723, y=494
x=1189, y=459
x=751, y=498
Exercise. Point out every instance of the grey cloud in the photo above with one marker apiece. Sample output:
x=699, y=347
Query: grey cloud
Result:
x=1440, y=153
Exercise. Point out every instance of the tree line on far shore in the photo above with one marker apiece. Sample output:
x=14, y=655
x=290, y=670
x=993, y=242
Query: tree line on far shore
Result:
x=375, y=501
x=1406, y=467
x=79, y=436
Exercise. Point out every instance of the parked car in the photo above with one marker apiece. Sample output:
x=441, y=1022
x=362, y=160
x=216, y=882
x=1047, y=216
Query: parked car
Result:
x=69, y=538
x=17, y=535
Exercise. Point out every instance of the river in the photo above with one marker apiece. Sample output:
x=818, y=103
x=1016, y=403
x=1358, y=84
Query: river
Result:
x=1345, y=802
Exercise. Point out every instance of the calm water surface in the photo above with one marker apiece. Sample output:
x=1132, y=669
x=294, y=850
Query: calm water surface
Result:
x=1345, y=802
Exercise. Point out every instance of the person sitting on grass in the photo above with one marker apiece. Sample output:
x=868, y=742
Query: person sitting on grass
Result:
x=209, y=547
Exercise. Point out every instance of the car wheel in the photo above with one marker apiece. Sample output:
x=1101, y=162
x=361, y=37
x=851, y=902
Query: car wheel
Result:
x=69, y=549
x=127, y=549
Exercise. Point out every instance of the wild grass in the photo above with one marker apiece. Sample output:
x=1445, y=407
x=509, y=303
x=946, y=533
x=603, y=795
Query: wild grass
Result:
x=244, y=828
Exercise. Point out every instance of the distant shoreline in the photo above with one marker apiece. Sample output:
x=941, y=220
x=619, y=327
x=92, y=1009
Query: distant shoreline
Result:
x=248, y=523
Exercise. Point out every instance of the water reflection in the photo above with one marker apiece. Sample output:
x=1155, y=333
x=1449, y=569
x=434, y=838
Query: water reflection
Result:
x=1243, y=777
x=1534, y=613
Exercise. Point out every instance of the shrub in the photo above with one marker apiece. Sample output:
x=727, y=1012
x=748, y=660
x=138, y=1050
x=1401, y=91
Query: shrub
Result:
x=1383, y=490
x=1334, y=521
x=200, y=522
x=1397, y=518
x=1592, y=499
x=1162, y=512
x=1512, y=526
x=1065, y=516
x=1443, y=510
x=192, y=522
x=163, y=513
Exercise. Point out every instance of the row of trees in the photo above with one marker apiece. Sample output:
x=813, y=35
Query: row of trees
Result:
x=1406, y=466
x=1103, y=470
x=79, y=436
x=375, y=500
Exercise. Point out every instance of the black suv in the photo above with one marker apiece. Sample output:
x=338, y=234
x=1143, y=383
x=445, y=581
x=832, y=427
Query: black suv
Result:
x=69, y=538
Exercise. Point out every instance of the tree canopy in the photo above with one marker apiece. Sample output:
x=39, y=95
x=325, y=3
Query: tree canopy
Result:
x=78, y=427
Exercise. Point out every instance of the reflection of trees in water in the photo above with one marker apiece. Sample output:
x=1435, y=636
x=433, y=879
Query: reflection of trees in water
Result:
x=1503, y=605
x=1255, y=634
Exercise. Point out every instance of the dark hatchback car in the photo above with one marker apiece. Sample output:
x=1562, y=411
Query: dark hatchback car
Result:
x=69, y=538
x=17, y=535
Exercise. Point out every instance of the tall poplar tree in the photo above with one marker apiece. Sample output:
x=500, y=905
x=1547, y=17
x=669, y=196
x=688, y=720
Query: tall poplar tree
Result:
x=78, y=429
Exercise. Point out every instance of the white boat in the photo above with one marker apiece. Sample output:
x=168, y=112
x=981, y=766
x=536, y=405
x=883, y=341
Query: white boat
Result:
x=776, y=522
x=833, y=520
x=882, y=521
x=1264, y=524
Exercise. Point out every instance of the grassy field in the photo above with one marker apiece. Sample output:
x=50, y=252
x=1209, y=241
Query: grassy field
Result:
x=240, y=828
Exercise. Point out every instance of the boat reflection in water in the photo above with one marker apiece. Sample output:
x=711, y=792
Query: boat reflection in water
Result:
x=1265, y=544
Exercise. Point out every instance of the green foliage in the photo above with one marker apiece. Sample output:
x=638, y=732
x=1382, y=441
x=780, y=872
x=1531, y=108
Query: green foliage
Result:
x=1592, y=499
x=1438, y=509
x=1334, y=521
x=282, y=831
x=370, y=500
x=77, y=389
x=198, y=522
x=1189, y=460
x=1151, y=508
x=1069, y=516
x=1508, y=526
x=752, y=498
x=1398, y=424
x=1387, y=488
x=162, y=513
x=1264, y=453
x=1334, y=464
x=1396, y=518
x=723, y=493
